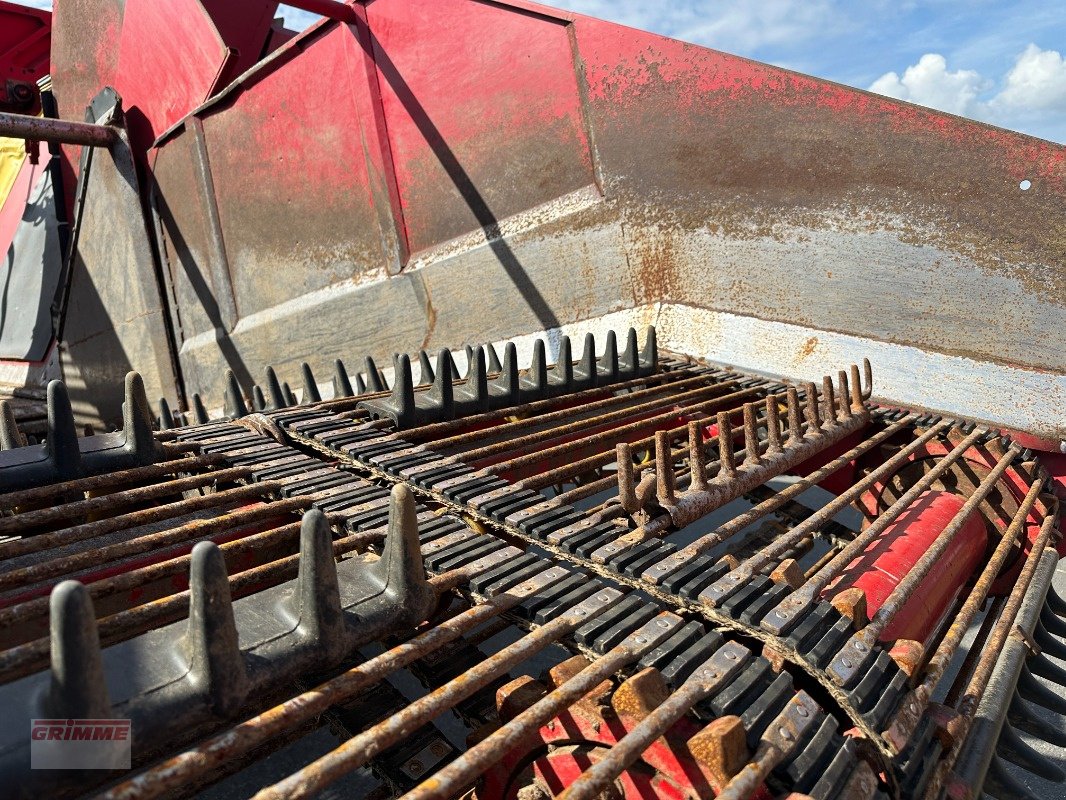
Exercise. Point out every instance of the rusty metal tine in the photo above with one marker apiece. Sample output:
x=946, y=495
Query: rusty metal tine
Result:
x=844, y=394
x=856, y=388
x=664, y=468
x=829, y=411
x=95, y=483
x=795, y=424
x=358, y=750
x=704, y=682
x=868, y=375
x=728, y=468
x=814, y=420
x=697, y=455
x=751, y=437
x=779, y=499
x=627, y=494
x=559, y=474
x=614, y=433
x=773, y=425
x=176, y=771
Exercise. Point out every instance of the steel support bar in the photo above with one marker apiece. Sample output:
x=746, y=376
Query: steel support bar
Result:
x=58, y=131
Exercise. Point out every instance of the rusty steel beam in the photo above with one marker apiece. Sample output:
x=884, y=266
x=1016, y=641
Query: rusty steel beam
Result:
x=57, y=131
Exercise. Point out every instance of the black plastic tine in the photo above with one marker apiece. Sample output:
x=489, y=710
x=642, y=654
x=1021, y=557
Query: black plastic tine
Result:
x=608, y=363
x=428, y=374
x=562, y=376
x=342, y=384
x=442, y=394
x=629, y=361
x=199, y=410
x=137, y=421
x=290, y=396
x=538, y=368
x=494, y=364
x=78, y=689
x=275, y=393
x=317, y=589
x=403, y=391
x=166, y=419
x=215, y=655
x=400, y=566
x=649, y=357
x=61, y=444
x=374, y=380
x=311, y=393
x=234, y=405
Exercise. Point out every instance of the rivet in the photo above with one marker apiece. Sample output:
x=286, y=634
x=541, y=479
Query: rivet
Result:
x=860, y=647
x=580, y=612
x=846, y=662
x=785, y=734
x=662, y=623
x=640, y=640
x=731, y=655
x=602, y=598
x=802, y=711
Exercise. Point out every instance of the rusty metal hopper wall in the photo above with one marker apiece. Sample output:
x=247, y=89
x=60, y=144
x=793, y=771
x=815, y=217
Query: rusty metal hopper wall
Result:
x=437, y=172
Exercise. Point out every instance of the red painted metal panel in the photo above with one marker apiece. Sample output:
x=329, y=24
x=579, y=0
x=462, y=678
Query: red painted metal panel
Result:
x=25, y=39
x=162, y=76
x=483, y=109
x=297, y=204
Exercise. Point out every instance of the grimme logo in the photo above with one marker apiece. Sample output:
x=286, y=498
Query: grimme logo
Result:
x=80, y=744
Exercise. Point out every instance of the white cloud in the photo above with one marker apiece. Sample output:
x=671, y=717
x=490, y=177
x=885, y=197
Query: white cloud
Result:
x=1036, y=82
x=930, y=83
x=1031, y=95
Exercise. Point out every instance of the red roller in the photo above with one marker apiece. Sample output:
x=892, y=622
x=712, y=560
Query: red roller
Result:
x=888, y=559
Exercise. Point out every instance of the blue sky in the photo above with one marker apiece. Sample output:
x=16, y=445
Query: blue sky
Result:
x=1001, y=61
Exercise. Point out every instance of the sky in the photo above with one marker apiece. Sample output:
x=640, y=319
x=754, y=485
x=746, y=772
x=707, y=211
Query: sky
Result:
x=999, y=61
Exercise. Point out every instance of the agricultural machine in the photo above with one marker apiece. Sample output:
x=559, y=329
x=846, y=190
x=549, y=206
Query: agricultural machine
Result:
x=472, y=399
